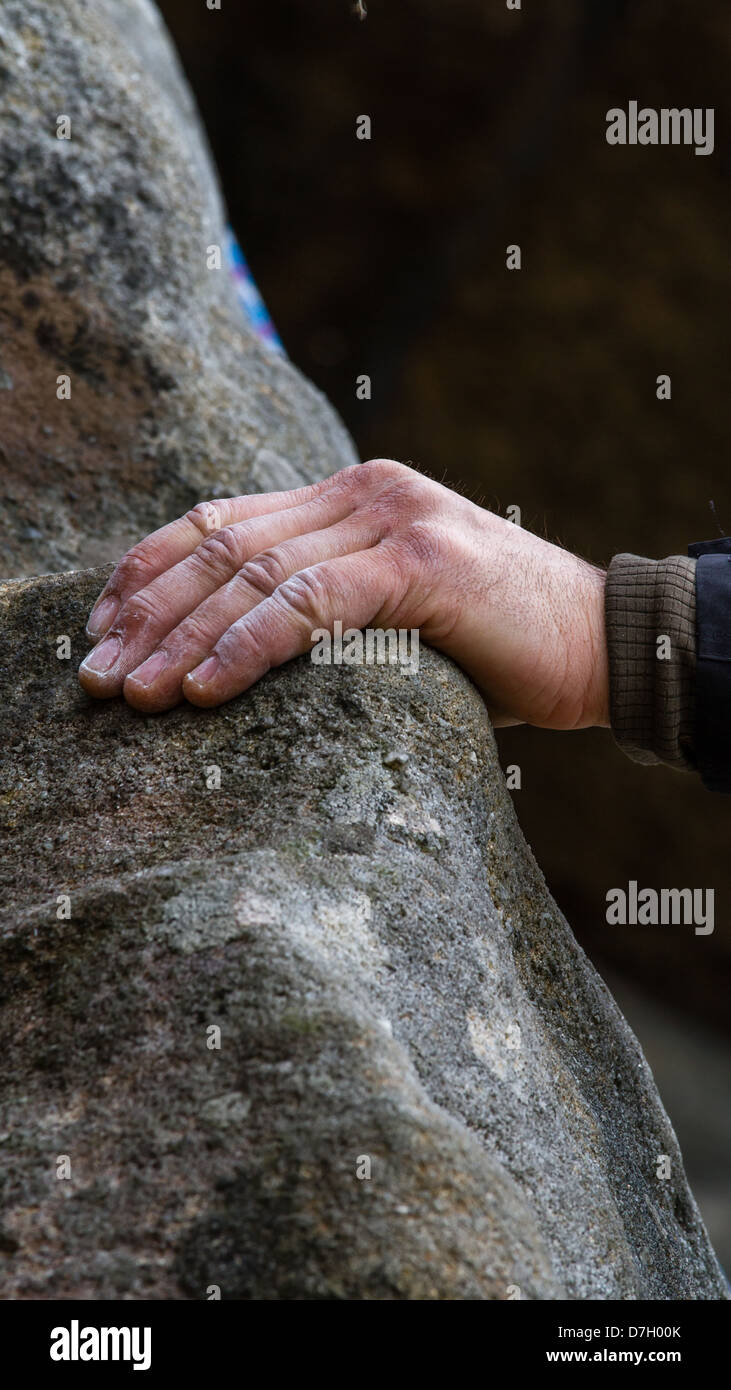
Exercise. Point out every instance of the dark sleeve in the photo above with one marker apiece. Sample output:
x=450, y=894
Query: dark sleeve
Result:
x=651, y=694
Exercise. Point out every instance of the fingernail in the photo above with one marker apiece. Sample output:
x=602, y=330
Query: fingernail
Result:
x=206, y=670
x=104, y=656
x=102, y=616
x=150, y=669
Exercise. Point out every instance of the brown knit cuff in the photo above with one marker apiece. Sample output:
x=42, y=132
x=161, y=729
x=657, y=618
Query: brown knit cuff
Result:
x=651, y=682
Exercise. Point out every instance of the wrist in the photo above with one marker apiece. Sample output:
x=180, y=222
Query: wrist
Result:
x=596, y=704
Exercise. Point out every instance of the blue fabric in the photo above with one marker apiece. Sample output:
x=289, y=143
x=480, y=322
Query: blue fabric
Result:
x=252, y=304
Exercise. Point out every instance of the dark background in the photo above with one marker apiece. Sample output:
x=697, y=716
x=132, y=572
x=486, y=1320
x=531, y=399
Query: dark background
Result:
x=536, y=388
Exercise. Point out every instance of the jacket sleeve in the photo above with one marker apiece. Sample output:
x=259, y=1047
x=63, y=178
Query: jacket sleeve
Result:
x=651, y=680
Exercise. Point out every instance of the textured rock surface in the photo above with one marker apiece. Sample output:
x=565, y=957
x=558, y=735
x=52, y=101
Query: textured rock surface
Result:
x=354, y=907
x=357, y=911
x=103, y=277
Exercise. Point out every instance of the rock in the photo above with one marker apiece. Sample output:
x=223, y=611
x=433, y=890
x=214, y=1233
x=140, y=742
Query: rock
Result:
x=390, y=978
x=104, y=278
x=691, y=1066
x=286, y=1005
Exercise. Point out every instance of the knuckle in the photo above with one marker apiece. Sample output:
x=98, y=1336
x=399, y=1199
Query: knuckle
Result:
x=380, y=470
x=360, y=478
x=263, y=573
x=139, y=610
x=305, y=595
x=244, y=640
x=195, y=631
x=398, y=503
x=137, y=567
x=220, y=553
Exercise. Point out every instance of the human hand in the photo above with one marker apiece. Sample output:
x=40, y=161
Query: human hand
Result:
x=205, y=606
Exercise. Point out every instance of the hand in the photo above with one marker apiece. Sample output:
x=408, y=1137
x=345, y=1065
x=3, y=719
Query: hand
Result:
x=205, y=606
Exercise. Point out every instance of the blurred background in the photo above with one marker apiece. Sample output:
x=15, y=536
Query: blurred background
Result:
x=534, y=388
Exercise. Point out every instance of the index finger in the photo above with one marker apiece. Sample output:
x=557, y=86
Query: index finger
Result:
x=170, y=544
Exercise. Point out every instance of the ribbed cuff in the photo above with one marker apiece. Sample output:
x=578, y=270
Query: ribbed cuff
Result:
x=651, y=681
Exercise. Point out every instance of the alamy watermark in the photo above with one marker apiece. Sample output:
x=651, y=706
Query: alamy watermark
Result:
x=668, y=126
x=368, y=647
x=648, y=907
x=81, y=1343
